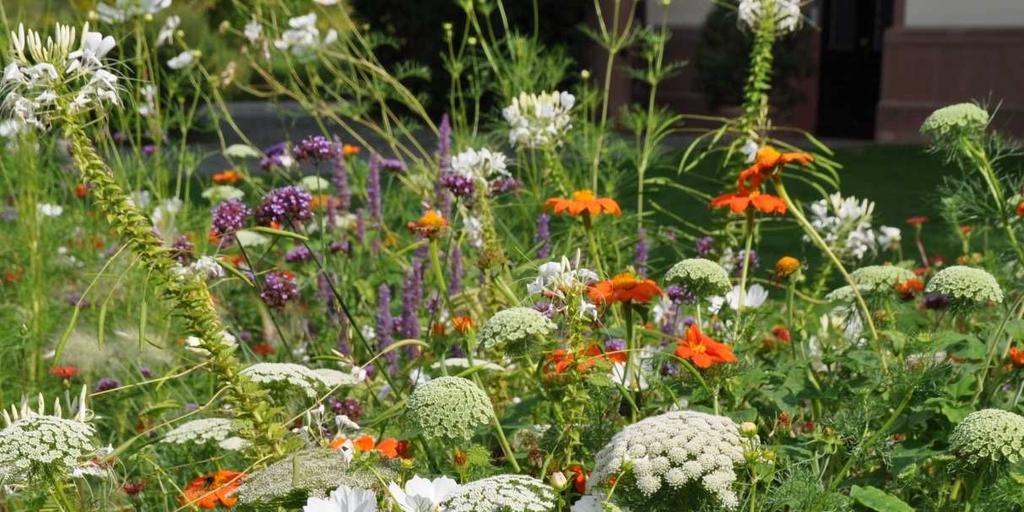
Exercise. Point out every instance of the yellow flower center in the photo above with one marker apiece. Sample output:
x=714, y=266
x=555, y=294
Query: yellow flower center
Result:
x=583, y=195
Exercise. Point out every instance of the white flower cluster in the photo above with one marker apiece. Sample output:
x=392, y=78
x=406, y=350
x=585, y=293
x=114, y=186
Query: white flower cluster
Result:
x=124, y=10
x=303, y=38
x=33, y=440
x=196, y=344
x=845, y=225
x=200, y=431
x=309, y=381
x=482, y=165
x=675, y=449
x=343, y=499
x=43, y=81
x=500, y=493
x=561, y=279
x=539, y=120
x=786, y=13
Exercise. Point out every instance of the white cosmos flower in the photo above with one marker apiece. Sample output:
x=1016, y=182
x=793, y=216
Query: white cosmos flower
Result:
x=167, y=31
x=422, y=495
x=344, y=499
x=253, y=31
x=182, y=60
x=753, y=299
x=49, y=210
x=148, y=105
x=303, y=38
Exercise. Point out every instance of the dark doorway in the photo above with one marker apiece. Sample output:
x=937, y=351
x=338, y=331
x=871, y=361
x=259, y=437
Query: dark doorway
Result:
x=851, y=66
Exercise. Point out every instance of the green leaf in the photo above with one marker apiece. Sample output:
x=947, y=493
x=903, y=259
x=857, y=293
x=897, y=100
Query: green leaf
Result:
x=278, y=232
x=879, y=500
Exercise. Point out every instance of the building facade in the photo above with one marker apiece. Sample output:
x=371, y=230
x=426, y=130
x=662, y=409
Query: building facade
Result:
x=879, y=67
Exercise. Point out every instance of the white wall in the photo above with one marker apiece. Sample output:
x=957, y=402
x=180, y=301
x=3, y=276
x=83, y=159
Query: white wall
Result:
x=964, y=13
x=687, y=13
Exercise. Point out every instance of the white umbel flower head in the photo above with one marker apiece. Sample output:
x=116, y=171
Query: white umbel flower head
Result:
x=200, y=431
x=989, y=436
x=784, y=13
x=290, y=374
x=701, y=276
x=449, y=408
x=966, y=286
x=63, y=76
x=672, y=450
x=516, y=329
x=880, y=278
x=500, y=493
x=33, y=441
x=539, y=120
x=961, y=119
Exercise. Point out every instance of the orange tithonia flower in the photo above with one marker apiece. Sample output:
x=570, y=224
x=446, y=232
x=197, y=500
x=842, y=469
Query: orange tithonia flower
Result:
x=209, y=491
x=229, y=176
x=583, y=202
x=462, y=324
x=429, y=224
x=349, y=149
x=64, y=372
x=387, y=448
x=624, y=287
x=1016, y=357
x=748, y=185
x=909, y=288
x=917, y=220
x=786, y=266
x=81, y=190
x=703, y=351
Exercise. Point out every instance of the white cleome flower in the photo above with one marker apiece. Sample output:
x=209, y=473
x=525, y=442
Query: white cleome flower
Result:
x=539, y=120
x=889, y=238
x=561, y=279
x=670, y=451
x=343, y=499
x=845, y=225
x=482, y=165
x=785, y=13
x=421, y=494
x=124, y=10
x=44, y=81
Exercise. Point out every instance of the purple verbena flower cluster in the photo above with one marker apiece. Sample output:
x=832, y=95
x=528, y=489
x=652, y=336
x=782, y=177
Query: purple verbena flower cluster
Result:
x=298, y=255
x=459, y=185
x=283, y=205
x=229, y=216
x=279, y=288
x=315, y=148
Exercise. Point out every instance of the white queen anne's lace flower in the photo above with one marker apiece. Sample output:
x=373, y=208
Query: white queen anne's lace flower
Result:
x=539, y=120
x=672, y=450
x=309, y=381
x=785, y=13
x=43, y=81
x=451, y=408
x=515, y=329
x=500, y=493
x=35, y=441
x=200, y=431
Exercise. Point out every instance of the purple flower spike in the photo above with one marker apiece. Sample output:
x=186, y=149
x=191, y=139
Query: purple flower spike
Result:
x=373, y=190
x=543, y=236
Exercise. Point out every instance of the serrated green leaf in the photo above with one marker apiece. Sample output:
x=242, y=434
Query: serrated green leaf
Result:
x=879, y=500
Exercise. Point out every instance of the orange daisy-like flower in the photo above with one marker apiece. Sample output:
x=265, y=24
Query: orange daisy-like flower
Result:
x=388, y=447
x=624, y=287
x=740, y=202
x=703, y=351
x=209, y=491
x=583, y=202
x=429, y=224
x=229, y=177
x=81, y=190
x=462, y=324
x=917, y=220
x=64, y=372
x=349, y=149
x=910, y=288
x=1016, y=357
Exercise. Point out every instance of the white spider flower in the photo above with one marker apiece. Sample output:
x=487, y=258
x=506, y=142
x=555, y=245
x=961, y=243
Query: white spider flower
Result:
x=63, y=76
x=420, y=494
x=200, y=431
x=343, y=499
x=539, y=120
x=500, y=493
x=561, y=279
x=669, y=451
x=785, y=13
x=845, y=225
x=889, y=238
x=33, y=441
x=124, y=10
x=166, y=34
x=483, y=165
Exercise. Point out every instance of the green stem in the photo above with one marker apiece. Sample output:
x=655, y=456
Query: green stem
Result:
x=813, y=235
